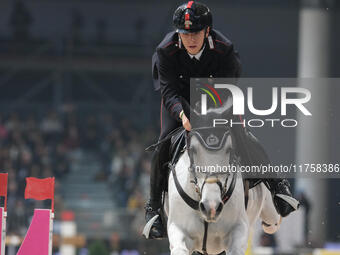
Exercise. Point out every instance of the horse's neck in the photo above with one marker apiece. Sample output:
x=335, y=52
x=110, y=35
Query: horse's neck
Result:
x=184, y=176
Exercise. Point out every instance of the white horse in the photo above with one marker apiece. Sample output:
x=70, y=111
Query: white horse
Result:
x=206, y=212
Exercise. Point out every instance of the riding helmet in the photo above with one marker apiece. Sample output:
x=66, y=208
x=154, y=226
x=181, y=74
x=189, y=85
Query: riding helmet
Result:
x=192, y=17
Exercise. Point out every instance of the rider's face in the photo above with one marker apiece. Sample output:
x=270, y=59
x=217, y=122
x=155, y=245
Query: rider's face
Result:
x=193, y=42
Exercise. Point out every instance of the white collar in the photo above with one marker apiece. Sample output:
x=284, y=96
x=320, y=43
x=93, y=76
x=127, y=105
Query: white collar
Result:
x=198, y=55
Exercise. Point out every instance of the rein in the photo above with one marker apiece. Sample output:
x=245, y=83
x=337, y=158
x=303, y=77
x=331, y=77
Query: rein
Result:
x=194, y=203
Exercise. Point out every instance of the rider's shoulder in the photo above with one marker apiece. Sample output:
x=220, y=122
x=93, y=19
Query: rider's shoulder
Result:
x=222, y=44
x=169, y=45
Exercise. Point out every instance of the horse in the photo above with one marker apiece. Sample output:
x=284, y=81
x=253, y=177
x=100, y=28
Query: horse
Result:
x=206, y=210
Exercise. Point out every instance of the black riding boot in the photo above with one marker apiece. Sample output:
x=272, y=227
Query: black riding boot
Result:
x=153, y=206
x=252, y=153
x=282, y=197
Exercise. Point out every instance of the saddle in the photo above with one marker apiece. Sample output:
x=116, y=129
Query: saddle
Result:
x=177, y=145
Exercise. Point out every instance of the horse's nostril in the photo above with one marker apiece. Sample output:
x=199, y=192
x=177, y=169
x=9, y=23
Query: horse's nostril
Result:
x=202, y=207
x=219, y=208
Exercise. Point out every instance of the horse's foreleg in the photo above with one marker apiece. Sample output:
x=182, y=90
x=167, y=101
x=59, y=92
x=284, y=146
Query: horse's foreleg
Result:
x=239, y=239
x=271, y=220
x=180, y=244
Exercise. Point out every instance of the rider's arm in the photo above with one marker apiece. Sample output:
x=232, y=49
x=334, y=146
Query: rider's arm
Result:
x=168, y=84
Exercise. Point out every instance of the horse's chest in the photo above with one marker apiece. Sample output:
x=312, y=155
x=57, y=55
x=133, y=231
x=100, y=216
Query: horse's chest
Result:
x=217, y=238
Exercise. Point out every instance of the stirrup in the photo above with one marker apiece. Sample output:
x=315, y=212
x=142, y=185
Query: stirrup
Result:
x=148, y=226
x=290, y=200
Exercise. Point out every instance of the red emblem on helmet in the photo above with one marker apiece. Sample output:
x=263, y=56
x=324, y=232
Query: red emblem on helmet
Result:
x=187, y=22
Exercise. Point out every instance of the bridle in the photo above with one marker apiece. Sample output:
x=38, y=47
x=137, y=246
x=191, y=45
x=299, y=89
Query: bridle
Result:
x=233, y=160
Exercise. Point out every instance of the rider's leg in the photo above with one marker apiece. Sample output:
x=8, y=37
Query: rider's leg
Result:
x=157, y=179
x=158, y=175
x=252, y=153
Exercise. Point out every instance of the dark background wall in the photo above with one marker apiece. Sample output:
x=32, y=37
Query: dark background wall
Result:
x=114, y=41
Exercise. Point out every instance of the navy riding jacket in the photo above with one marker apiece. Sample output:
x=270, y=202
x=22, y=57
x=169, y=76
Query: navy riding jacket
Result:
x=172, y=67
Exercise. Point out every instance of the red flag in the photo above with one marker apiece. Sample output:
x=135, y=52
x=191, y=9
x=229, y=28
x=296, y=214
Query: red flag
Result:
x=3, y=184
x=40, y=189
x=3, y=187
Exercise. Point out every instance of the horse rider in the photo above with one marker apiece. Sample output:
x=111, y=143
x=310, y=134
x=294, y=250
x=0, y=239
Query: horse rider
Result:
x=195, y=49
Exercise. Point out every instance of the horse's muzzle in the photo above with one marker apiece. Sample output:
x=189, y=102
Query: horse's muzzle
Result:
x=210, y=210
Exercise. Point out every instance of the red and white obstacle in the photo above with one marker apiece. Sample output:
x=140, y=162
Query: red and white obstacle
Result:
x=3, y=212
x=38, y=239
x=3, y=230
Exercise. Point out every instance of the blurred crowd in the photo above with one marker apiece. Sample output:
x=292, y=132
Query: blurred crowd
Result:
x=30, y=147
x=126, y=164
x=44, y=146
